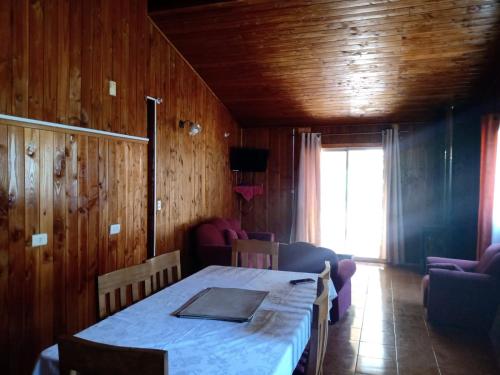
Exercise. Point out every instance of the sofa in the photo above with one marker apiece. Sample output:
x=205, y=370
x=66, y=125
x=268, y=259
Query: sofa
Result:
x=213, y=247
x=463, y=293
x=214, y=239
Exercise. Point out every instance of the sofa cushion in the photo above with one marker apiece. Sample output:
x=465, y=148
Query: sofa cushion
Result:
x=230, y=235
x=242, y=235
x=446, y=266
x=207, y=234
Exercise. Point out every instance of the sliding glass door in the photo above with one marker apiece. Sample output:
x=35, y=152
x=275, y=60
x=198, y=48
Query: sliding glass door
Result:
x=352, y=201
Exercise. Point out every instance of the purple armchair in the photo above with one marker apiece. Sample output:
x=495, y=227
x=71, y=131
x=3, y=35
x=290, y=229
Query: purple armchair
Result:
x=462, y=292
x=305, y=257
x=214, y=238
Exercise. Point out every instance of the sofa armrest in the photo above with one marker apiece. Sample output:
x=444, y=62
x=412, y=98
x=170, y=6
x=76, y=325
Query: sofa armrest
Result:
x=462, y=298
x=261, y=236
x=345, y=270
x=219, y=255
x=466, y=265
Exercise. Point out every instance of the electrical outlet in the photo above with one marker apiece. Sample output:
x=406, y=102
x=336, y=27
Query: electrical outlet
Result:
x=158, y=205
x=39, y=239
x=114, y=229
x=112, y=88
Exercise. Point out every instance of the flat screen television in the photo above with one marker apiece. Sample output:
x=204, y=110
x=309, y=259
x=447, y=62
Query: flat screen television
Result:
x=245, y=159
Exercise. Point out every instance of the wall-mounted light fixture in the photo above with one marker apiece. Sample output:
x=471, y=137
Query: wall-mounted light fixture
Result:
x=227, y=134
x=194, y=127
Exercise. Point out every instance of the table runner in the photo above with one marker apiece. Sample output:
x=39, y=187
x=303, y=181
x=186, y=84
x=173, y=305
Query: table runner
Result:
x=271, y=343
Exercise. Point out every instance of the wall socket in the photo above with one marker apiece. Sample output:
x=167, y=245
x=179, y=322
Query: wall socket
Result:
x=39, y=239
x=158, y=205
x=112, y=88
x=114, y=229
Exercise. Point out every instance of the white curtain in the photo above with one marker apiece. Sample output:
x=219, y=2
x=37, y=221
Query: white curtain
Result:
x=393, y=248
x=307, y=226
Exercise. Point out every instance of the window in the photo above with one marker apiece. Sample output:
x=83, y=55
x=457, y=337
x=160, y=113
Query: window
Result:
x=352, y=201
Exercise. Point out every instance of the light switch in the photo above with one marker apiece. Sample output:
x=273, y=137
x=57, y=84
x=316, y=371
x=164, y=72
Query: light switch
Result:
x=39, y=239
x=112, y=88
x=114, y=229
x=158, y=205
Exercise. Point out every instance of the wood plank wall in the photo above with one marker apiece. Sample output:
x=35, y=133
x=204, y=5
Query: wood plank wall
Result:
x=56, y=59
x=421, y=145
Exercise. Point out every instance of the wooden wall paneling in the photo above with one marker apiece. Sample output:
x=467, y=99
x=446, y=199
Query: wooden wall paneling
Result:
x=4, y=249
x=129, y=209
x=75, y=62
x=116, y=22
x=104, y=253
x=83, y=229
x=173, y=117
x=133, y=34
x=112, y=204
x=46, y=276
x=61, y=67
x=106, y=66
x=93, y=212
x=20, y=57
x=88, y=62
x=50, y=59
x=17, y=254
x=176, y=90
x=165, y=137
x=72, y=234
x=6, y=32
x=56, y=62
x=121, y=189
x=36, y=59
x=59, y=232
x=96, y=80
x=32, y=226
x=273, y=179
x=125, y=66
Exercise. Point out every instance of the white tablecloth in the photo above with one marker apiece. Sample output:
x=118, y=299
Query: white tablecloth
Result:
x=271, y=343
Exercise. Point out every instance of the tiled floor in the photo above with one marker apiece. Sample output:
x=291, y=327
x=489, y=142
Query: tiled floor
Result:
x=385, y=332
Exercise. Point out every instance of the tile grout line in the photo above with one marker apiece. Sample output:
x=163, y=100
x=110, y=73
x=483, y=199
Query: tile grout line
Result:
x=432, y=347
x=394, y=328
x=362, y=325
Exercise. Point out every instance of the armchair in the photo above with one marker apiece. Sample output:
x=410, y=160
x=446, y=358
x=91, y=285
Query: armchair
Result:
x=462, y=292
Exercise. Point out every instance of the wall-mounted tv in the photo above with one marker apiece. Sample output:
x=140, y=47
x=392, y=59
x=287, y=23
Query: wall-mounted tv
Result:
x=244, y=159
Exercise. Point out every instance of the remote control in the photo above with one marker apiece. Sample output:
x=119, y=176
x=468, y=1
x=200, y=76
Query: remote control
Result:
x=301, y=281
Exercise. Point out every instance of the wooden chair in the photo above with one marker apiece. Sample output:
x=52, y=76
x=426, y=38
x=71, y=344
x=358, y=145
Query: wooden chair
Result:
x=164, y=264
x=121, y=280
x=249, y=249
x=92, y=358
x=319, y=328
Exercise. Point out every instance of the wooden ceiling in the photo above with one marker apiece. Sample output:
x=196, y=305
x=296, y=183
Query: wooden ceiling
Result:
x=325, y=62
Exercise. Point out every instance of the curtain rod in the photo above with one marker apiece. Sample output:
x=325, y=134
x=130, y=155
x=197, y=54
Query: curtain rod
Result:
x=360, y=133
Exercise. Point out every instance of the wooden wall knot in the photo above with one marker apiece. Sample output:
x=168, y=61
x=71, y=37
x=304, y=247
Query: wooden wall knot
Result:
x=60, y=164
x=11, y=200
x=30, y=151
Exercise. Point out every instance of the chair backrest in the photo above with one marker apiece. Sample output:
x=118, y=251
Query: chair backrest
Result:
x=164, y=264
x=92, y=358
x=248, y=252
x=487, y=257
x=319, y=328
x=122, y=280
x=323, y=276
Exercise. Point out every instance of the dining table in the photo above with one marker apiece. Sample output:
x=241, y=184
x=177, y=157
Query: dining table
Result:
x=271, y=343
